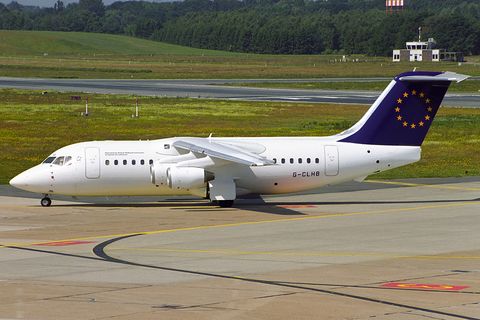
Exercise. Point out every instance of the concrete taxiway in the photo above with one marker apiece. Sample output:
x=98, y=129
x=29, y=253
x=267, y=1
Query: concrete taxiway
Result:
x=403, y=249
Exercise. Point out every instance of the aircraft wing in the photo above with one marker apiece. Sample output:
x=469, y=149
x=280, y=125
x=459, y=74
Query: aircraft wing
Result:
x=220, y=151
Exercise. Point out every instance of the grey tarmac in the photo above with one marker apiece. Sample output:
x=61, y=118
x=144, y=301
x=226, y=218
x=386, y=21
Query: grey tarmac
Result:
x=213, y=89
x=401, y=249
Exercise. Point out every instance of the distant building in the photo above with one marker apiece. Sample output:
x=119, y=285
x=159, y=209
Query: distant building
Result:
x=425, y=51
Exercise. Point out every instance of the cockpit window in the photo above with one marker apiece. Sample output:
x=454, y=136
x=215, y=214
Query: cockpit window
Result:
x=49, y=160
x=68, y=160
x=59, y=161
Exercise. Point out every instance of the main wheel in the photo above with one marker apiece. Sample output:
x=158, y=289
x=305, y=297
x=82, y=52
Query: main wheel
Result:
x=225, y=203
x=46, y=202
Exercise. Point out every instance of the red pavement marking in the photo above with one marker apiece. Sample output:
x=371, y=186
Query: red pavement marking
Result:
x=63, y=243
x=422, y=286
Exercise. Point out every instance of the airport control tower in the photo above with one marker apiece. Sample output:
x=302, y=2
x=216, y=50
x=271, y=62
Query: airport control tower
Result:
x=424, y=51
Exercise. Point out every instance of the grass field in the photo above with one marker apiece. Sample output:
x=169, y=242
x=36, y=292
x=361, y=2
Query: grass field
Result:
x=65, y=44
x=87, y=55
x=33, y=125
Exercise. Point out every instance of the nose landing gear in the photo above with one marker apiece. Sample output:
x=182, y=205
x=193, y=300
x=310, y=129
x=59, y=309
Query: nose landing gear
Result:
x=46, y=202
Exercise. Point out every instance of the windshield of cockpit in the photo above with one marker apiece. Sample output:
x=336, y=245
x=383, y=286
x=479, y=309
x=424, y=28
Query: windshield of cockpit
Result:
x=59, y=161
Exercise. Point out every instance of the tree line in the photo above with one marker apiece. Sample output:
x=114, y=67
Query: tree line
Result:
x=265, y=26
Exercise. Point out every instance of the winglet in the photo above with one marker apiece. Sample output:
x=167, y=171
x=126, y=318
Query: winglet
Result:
x=403, y=113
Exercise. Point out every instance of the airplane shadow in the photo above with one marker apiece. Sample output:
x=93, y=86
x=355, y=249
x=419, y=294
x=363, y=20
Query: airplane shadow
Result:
x=250, y=203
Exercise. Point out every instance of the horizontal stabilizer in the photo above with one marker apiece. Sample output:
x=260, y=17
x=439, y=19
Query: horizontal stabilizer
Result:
x=446, y=76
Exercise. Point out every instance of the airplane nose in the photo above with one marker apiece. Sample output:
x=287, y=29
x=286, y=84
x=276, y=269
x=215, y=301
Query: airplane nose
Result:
x=19, y=181
x=34, y=180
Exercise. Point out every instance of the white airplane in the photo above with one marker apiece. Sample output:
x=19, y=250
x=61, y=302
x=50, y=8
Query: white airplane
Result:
x=388, y=136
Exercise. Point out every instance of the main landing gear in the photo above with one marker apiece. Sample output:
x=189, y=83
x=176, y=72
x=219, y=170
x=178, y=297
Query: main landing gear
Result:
x=46, y=202
x=225, y=203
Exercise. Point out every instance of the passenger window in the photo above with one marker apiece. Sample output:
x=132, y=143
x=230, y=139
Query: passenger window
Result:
x=291, y=160
x=317, y=160
x=299, y=160
x=283, y=160
x=274, y=160
x=107, y=162
x=124, y=162
x=115, y=162
x=49, y=160
x=150, y=161
x=59, y=161
x=142, y=162
x=308, y=160
x=133, y=162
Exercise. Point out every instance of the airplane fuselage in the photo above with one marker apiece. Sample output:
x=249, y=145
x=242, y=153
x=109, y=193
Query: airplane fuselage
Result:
x=124, y=168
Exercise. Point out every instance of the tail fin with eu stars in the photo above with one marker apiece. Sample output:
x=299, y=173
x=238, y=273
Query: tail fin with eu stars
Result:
x=403, y=113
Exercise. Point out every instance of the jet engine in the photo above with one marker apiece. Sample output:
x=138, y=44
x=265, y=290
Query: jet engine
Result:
x=158, y=173
x=178, y=177
x=187, y=177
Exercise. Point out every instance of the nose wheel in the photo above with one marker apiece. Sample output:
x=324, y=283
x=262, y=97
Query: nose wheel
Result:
x=46, y=202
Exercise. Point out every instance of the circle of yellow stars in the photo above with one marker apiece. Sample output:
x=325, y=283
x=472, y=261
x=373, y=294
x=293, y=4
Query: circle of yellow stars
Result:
x=413, y=125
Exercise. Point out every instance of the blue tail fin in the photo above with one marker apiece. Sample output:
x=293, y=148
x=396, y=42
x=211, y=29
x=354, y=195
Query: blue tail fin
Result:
x=404, y=111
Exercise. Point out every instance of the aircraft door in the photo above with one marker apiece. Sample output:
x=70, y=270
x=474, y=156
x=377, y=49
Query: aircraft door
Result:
x=331, y=160
x=92, y=163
